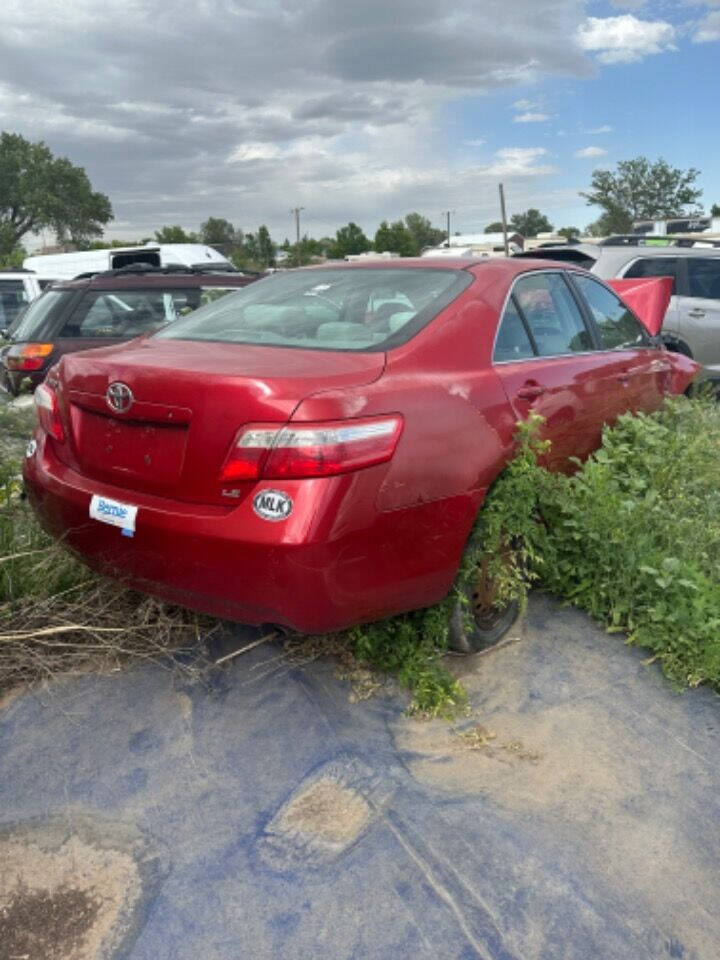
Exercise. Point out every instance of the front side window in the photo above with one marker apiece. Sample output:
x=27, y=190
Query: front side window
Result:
x=654, y=267
x=704, y=277
x=340, y=309
x=552, y=315
x=12, y=300
x=616, y=325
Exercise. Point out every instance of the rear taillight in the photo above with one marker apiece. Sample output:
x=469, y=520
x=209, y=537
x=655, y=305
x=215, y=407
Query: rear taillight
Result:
x=310, y=449
x=48, y=412
x=28, y=356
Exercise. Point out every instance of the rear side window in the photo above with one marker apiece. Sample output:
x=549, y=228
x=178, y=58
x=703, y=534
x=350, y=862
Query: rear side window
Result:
x=342, y=309
x=704, y=277
x=513, y=342
x=655, y=267
x=616, y=325
x=38, y=313
x=549, y=308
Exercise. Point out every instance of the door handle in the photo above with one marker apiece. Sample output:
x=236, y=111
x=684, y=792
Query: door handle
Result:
x=696, y=313
x=623, y=377
x=530, y=391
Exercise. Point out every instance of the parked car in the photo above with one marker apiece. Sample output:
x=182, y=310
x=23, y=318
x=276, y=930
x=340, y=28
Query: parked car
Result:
x=17, y=289
x=313, y=451
x=692, y=322
x=102, y=309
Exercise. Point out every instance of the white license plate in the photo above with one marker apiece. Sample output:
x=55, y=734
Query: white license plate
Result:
x=115, y=513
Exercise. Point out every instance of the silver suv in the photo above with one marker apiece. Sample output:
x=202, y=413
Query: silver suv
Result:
x=692, y=321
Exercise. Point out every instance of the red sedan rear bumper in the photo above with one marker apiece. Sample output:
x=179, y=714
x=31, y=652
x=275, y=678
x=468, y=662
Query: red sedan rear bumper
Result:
x=335, y=562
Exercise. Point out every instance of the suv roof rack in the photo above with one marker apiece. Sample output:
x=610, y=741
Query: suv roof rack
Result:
x=149, y=269
x=169, y=268
x=657, y=240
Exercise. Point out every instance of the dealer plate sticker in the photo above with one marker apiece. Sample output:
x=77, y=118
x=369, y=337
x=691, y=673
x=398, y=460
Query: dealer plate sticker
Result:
x=115, y=513
x=272, y=505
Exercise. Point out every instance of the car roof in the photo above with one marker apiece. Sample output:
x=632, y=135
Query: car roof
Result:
x=510, y=265
x=659, y=251
x=135, y=281
x=627, y=250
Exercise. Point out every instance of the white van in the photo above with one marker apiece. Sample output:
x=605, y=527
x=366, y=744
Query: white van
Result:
x=65, y=266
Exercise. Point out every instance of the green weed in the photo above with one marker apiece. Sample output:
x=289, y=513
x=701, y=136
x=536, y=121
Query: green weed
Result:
x=633, y=537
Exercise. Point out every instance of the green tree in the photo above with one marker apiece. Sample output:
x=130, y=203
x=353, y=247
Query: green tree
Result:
x=250, y=248
x=530, y=223
x=348, y=240
x=569, y=232
x=715, y=210
x=396, y=238
x=218, y=231
x=265, y=247
x=614, y=221
x=14, y=258
x=39, y=190
x=423, y=232
x=495, y=227
x=175, y=234
x=641, y=190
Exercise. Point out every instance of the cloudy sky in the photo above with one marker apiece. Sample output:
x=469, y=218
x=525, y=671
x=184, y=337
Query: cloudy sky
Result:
x=359, y=109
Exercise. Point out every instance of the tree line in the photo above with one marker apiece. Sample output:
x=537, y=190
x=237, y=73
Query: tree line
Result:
x=39, y=191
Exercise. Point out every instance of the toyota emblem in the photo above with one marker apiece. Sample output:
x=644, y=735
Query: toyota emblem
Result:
x=119, y=397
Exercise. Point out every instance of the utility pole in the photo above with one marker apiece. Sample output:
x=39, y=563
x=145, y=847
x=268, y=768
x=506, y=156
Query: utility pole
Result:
x=504, y=220
x=296, y=212
x=446, y=214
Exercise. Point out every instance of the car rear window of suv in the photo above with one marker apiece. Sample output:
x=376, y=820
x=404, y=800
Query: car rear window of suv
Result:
x=123, y=313
x=340, y=309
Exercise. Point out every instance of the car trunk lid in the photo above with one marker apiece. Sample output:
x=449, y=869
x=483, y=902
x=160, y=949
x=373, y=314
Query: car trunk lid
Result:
x=180, y=405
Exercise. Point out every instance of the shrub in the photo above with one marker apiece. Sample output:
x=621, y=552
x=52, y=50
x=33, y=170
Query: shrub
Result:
x=633, y=537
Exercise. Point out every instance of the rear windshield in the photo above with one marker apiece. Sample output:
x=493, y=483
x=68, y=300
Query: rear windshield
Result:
x=353, y=309
x=123, y=314
x=33, y=318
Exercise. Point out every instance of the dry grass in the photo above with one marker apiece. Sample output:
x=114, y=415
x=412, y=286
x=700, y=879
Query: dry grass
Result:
x=56, y=616
x=98, y=626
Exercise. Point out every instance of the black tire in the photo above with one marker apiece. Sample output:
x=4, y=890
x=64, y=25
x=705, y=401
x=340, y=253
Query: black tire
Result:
x=483, y=632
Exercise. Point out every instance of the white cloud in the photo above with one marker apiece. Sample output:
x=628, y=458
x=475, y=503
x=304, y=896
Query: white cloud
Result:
x=525, y=104
x=248, y=152
x=625, y=38
x=605, y=128
x=477, y=142
x=517, y=161
x=708, y=30
x=530, y=117
x=591, y=152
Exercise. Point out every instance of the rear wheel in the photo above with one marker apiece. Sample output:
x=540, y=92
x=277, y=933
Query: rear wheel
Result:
x=476, y=620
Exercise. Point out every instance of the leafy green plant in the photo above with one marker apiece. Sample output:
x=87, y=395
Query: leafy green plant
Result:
x=633, y=537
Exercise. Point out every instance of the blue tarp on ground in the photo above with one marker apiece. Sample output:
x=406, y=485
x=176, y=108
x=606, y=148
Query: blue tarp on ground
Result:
x=278, y=819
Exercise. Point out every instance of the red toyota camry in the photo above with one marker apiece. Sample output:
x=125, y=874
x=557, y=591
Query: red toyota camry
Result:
x=313, y=450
